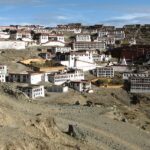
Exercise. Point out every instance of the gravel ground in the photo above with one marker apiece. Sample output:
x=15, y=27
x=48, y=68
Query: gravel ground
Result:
x=100, y=130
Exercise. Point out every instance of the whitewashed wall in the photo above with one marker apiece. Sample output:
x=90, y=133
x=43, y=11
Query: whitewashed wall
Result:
x=4, y=36
x=12, y=45
x=54, y=43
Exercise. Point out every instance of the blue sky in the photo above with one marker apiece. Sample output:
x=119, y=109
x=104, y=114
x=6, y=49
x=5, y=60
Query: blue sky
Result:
x=53, y=12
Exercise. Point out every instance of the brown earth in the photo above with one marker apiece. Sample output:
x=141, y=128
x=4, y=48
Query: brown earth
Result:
x=41, y=124
x=109, y=123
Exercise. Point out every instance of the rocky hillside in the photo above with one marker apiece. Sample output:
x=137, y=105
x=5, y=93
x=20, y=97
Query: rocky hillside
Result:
x=25, y=126
x=140, y=33
x=105, y=123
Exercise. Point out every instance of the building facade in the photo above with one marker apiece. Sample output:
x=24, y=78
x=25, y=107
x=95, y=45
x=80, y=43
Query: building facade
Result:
x=56, y=37
x=4, y=35
x=139, y=84
x=31, y=78
x=42, y=38
x=60, y=78
x=102, y=33
x=89, y=46
x=2, y=77
x=83, y=38
x=21, y=35
x=3, y=73
x=58, y=88
x=81, y=86
x=33, y=91
x=3, y=69
x=127, y=75
x=119, y=34
x=101, y=58
x=78, y=60
x=61, y=49
x=104, y=72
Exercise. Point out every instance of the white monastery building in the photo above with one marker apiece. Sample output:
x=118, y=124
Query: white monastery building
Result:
x=81, y=86
x=60, y=78
x=33, y=91
x=3, y=73
x=89, y=46
x=60, y=49
x=83, y=38
x=104, y=72
x=139, y=84
x=78, y=60
x=25, y=77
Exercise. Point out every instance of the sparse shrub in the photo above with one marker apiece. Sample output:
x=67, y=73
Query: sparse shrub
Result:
x=135, y=100
x=77, y=103
x=101, y=82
